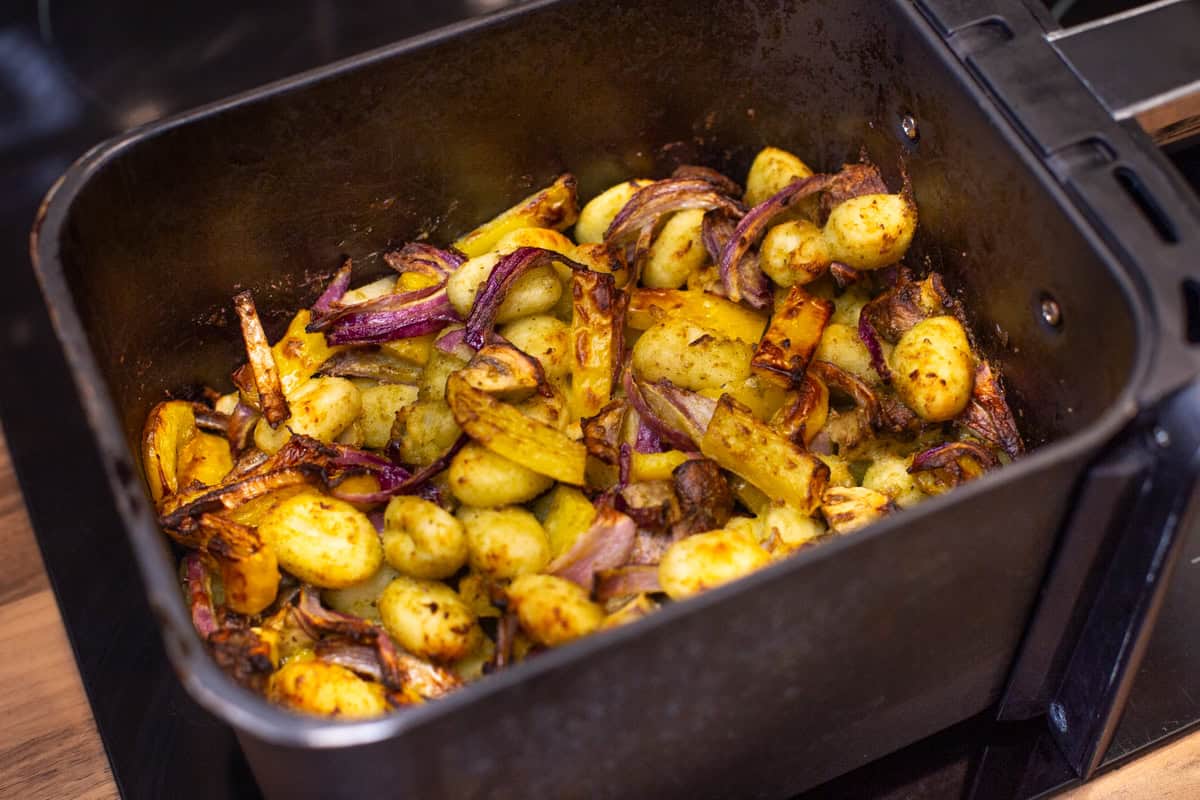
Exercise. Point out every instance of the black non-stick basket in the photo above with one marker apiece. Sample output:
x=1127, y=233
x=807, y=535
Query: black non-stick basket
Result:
x=1061, y=229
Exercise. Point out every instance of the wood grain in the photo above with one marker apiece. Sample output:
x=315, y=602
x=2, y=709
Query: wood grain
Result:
x=49, y=746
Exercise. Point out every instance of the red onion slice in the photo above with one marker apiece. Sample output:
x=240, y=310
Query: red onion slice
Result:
x=204, y=616
x=413, y=484
x=753, y=226
x=651, y=202
x=604, y=545
x=333, y=294
x=411, y=314
x=945, y=456
x=627, y=580
x=503, y=275
x=424, y=259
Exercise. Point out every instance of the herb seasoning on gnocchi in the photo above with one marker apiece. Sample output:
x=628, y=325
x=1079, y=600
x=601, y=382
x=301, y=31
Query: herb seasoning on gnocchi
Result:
x=525, y=438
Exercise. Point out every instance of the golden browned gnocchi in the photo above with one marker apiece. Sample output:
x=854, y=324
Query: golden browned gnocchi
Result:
x=422, y=539
x=524, y=437
x=322, y=540
x=504, y=542
x=934, y=369
x=315, y=687
x=707, y=560
x=553, y=611
x=429, y=619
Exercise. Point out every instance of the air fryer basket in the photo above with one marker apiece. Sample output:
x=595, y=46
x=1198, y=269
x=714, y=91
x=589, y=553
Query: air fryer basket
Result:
x=785, y=679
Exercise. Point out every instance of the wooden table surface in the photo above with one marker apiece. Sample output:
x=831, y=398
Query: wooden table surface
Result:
x=49, y=746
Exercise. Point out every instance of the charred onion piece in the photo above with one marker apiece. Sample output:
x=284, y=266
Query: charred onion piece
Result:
x=677, y=415
x=262, y=361
x=863, y=395
x=651, y=202
x=705, y=499
x=243, y=655
x=627, y=580
x=754, y=225
x=249, y=569
x=390, y=317
x=602, y=432
x=988, y=414
x=844, y=275
x=240, y=430
x=505, y=372
x=803, y=416
x=199, y=588
x=848, y=508
x=944, y=455
x=722, y=183
x=853, y=180
x=417, y=483
x=377, y=365
x=327, y=303
x=870, y=339
x=604, y=545
x=645, y=438
x=424, y=259
x=499, y=280
x=716, y=230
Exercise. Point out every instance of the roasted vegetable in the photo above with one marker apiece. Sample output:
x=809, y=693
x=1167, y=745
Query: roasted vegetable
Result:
x=556, y=206
x=597, y=340
x=741, y=444
x=471, y=438
x=792, y=337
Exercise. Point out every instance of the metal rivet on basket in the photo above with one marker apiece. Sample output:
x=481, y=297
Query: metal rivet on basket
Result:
x=909, y=125
x=1051, y=311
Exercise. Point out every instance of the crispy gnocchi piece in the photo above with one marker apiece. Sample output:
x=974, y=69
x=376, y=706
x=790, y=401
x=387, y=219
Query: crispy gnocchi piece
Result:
x=326, y=689
x=933, y=369
x=598, y=213
x=677, y=252
x=429, y=619
x=380, y=405
x=707, y=560
x=504, y=542
x=545, y=338
x=786, y=530
x=553, y=611
x=423, y=540
x=871, y=231
x=323, y=541
x=889, y=475
x=361, y=599
x=795, y=253
x=690, y=356
x=535, y=292
x=841, y=346
x=481, y=478
x=423, y=431
x=772, y=170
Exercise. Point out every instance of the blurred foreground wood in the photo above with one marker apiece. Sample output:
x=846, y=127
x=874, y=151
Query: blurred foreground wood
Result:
x=49, y=746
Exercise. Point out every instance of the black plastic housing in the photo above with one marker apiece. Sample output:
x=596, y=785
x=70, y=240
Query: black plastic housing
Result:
x=785, y=679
